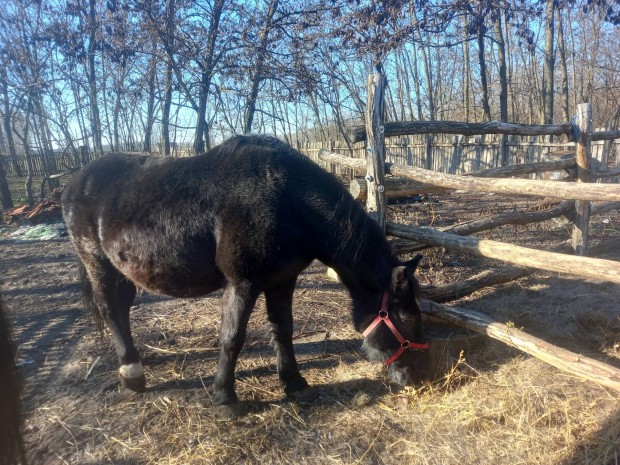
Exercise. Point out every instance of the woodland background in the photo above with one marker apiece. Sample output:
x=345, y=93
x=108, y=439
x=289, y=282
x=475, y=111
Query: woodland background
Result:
x=177, y=76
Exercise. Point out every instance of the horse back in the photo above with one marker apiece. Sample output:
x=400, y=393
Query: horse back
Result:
x=250, y=208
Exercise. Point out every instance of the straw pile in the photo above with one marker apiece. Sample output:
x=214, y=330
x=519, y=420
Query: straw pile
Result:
x=495, y=405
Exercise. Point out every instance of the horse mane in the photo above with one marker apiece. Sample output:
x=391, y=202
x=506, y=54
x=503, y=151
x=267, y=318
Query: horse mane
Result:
x=359, y=247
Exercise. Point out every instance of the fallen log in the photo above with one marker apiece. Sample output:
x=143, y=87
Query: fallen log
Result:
x=565, y=360
x=481, y=280
x=585, y=267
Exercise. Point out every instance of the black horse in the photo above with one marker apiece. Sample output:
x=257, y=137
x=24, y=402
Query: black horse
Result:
x=248, y=216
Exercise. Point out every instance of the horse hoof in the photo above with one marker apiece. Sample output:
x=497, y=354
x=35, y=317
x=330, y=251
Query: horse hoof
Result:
x=231, y=411
x=307, y=394
x=137, y=384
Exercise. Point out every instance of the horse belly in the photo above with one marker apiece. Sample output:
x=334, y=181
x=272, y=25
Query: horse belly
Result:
x=178, y=267
x=174, y=280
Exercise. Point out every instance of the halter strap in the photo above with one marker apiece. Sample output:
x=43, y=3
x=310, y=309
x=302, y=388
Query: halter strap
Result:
x=384, y=317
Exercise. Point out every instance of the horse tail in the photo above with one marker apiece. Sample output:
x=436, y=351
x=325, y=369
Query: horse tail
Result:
x=88, y=298
x=11, y=443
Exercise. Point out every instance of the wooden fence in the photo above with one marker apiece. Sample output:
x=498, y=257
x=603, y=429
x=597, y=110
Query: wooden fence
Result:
x=457, y=154
x=377, y=151
x=43, y=165
x=452, y=154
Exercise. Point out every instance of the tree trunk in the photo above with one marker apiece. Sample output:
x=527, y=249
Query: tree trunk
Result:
x=405, y=75
x=563, y=65
x=6, y=122
x=27, y=152
x=547, y=88
x=483, y=75
x=257, y=75
x=503, y=93
x=95, y=121
x=165, y=111
x=167, y=103
x=202, y=139
x=466, y=72
x=5, y=193
x=150, y=104
x=416, y=81
x=427, y=69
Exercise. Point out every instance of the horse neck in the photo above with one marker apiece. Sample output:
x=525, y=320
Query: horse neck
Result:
x=365, y=268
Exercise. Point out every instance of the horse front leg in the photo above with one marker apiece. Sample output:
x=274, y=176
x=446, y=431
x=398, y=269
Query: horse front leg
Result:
x=280, y=314
x=237, y=304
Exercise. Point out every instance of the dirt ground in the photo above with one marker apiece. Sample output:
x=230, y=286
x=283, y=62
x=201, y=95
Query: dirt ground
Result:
x=496, y=405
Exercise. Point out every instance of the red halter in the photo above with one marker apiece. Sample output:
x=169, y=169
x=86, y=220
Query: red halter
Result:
x=404, y=343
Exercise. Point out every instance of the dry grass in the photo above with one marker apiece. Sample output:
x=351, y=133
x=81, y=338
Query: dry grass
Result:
x=494, y=405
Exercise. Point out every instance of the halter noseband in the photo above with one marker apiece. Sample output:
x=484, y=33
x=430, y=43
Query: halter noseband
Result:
x=383, y=316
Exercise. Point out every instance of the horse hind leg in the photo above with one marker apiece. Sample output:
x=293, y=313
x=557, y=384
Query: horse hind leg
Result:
x=280, y=315
x=237, y=304
x=109, y=295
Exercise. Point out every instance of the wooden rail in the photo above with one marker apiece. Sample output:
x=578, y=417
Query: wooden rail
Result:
x=584, y=267
x=403, y=128
x=565, y=360
x=607, y=192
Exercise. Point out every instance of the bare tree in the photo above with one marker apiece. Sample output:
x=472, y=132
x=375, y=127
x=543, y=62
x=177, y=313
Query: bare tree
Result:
x=546, y=116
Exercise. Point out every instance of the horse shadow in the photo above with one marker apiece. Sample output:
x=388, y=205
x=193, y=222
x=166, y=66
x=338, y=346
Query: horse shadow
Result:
x=602, y=446
x=339, y=395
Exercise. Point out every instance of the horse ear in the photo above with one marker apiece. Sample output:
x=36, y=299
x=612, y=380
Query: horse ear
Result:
x=400, y=280
x=413, y=263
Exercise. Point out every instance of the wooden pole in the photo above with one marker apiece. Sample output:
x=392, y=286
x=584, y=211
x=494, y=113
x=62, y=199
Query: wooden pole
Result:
x=481, y=280
x=565, y=360
x=584, y=159
x=394, y=188
x=592, y=268
x=359, y=166
x=524, y=168
x=375, y=149
x=403, y=128
x=503, y=275
x=566, y=208
x=561, y=190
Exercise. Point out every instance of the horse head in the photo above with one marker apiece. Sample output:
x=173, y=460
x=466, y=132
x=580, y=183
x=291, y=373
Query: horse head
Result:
x=396, y=335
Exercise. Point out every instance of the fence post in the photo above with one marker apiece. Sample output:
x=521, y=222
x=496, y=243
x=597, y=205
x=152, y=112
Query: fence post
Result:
x=583, y=158
x=428, y=161
x=408, y=154
x=606, y=149
x=375, y=149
